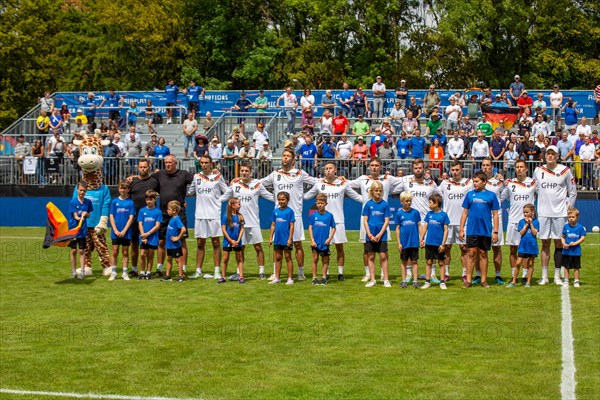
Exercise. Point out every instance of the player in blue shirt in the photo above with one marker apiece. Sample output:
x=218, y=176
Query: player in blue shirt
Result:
x=232, y=225
x=79, y=209
x=433, y=237
x=480, y=213
x=321, y=227
x=572, y=236
x=376, y=218
x=149, y=220
x=528, y=228
x=282, y=232
x=175, y=232
x=408, y=222
x=171, y=90
x=121, y=217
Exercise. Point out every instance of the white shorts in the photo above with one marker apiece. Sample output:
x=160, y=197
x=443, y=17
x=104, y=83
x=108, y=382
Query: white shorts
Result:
x=340, y=234
x=298, y=230
x=551, y=227
x=362, y=237
x=453, y=235
x=513, y=237
x=205, y=228
x=500, y=241
x=252, y=235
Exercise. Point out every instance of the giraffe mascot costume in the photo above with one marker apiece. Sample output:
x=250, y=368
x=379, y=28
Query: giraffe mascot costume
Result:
x=90, y=161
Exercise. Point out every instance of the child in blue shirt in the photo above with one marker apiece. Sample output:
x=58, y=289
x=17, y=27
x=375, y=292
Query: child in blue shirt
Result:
x=376, y=218
x=480, y=213
x=282, y=232
x=572, y=236
x=408, y=222
x=121, y=216
x=528, y=227
x=79, y=210
x=433, y=237
x=149, y=220
x=175, y=232
x=232, y=225
x=321, y=227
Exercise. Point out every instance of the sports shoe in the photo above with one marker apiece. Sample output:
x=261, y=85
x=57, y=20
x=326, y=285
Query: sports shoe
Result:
x=141, y=276
x=527, y=284
x=477, y=280
x=467, y=285
x=158, y=273
x=301, y=277
x=274, y=281
x=446, y=278
x=365, y=278
x=181, y=279
x=315, y=281
x=221, y=280
x=112, y=276
x=422, y=277
x=125, y=276
x=426, y=285
x=166, y=278
x=217, y=275
x=557, y=280
x=403, y=285
x=242, y=280
x=196, y=275
x=565, y=283
x=464, y=278
x=523, y=280
x=416, y=285
x=510, y=285
x=82, y=276
x=499, y=281
x=387, y=284
x=341, y=277
x=134, y=273
x=262, y=277
x=73, y=274
x=290, y=281
x=148, y=276
x=543, y=281
x=485, y=285
x=208, y=276
x=323, y=281
x=443, y=286
x=576, y=284
x=107, y=271
x=434, y=279
x=234, y=277
x=371, y=283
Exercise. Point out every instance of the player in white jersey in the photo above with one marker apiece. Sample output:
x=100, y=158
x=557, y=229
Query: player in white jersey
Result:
x=557, y=193
x=495, y=184
x=208, y=186
x=292, y=180
x=518, y=191
x=391, y=184
x=248, y=190
x=336, y=188
x=453, y=192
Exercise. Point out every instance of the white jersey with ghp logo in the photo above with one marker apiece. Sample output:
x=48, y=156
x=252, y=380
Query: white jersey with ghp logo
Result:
x=519, y=193
x=421, y=193
x=556, y=190
x=291, y=181
x=454, y=194
x=335, y=191
x=248, y=193
x=390, y=184
x=208, y=190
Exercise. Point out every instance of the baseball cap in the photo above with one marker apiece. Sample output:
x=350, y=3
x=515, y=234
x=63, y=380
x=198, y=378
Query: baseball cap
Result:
x=524, y=91
x=517, y=77
x=402, y=81
x=153, y=135
x=361, y=138
x=377, y=138
x=553, y=148
x=260, y=126
x=378, y=77
x=214, y=139
x=79, y=110
x=498, y=95
x=555, y=85
x=229, y=141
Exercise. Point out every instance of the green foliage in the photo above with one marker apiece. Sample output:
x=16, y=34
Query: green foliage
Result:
x=94, y=44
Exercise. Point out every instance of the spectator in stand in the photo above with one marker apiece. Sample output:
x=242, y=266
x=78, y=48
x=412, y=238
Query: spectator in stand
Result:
x=436, y=155
x=215, y=151
x=114, y=104
x=230, y=155
x=259, y=136
x=456, y=147
x=360, y=156
x=132, y=114
x=22, y=149
x=290, y=103
x=403, y=147
x=208, y=122
x=200, y=150
x=66, y=116
x=308, y=120
x=397, y=116
x=161, y=150
x=505, y=99
x=149, y=113
x=577, y=171
x=375, y=145
x=467, y=141
x=498, y=103
x=81, y=120
x=497, y=149
x=247, y=152
x=56, y=121
x=90, y=105
x=344, y=154
x=454, y=114
x=540, y=104
x=133, y=151
x=46, y=103
x=541, y=126
x=467, y=126
x=190, y=126
x=584, y=128
x=307, y=100
x=193, y=94
x=417, y=145
x=556, y=99
x=328, y=102
x=594, y=139
x=587, y=154
x=37, y=151
x=360, y=103
x=524, y=102
x=308, y=154
x=409, y=124
x=485, y=127
x=242, y=105
x=459, y=98
x=43, y=125
x=265, y=157
x=516, y=89
x=432, y=99
x=441, y=138
x=525, y=121
x=151, y=145
x=340, y=124
x=360, y=127
x=378, y=98
x=570, y=113
x=433, y=124
x=565, y=150
x=387, y=130
x=326, y=123
x=473, y=107
x=171, y=91
x=326, y=149
x=386, y=154
x=532, y=155
x=415, y=108
x=402, y=94
x=479, y=150
x=237, y=137
x=486, y=99
x=346, y=101
x=510, y=158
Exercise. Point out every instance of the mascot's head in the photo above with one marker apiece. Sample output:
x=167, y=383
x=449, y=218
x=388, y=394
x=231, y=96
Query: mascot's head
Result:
x=91, y=152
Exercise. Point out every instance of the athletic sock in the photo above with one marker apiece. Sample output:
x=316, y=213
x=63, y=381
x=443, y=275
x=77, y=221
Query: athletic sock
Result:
x=134, y=268
x=300, y=270
x=433, y=270
x=184, y=268
x=114, y=269
x=557, y=272
x=261, y=269
x=237, y=271
x=217, y=270
x=367, y=273
x=159, y=267
x=125, y=270
x=327, y=271
x=340, y=269
x=544, y=272
x=478, y=274
x=498, y=275
x=447, y=269
x=512, y=271
x=525, y=273
x=464, y=271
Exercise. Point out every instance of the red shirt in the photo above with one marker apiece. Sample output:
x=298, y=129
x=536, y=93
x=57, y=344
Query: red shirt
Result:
x=340, y=124
x=522, y=102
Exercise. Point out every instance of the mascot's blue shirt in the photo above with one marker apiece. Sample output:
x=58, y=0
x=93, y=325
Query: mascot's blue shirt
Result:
x=100, y=199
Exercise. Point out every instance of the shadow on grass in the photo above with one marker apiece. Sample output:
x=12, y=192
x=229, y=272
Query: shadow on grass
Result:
x=74, y=281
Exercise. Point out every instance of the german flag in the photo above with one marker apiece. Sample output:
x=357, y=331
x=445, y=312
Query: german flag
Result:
x=57, y=228
x=506, y=114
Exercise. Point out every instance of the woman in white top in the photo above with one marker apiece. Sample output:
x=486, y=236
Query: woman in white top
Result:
x=307, y=100
x=326, y=122
x=409, y=124
x=510, y=158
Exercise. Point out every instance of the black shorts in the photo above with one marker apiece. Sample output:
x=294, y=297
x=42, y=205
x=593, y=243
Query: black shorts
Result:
x=78, y=242
x=114, y=115
x=525, y=255
x=135, y=231
x=479, y=242
x=175, y=253
x=282, y=247
x=162, y=231
x=146, y=246
x=323, y=253
x=121, y=242
x=411, y=253
x=571, y=262
x=376, y=247
x=193, y=106
x=230, y=248
x=432, y=253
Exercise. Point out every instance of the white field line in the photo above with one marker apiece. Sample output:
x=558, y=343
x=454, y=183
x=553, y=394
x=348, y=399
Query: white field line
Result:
x=567, y=381
x=88, y=395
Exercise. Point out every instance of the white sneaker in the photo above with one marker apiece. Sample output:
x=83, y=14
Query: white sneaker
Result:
x=112, y=276
x=73, y=274
x=387, y=284
x=81, y=276
x=274, y=281
x=290, y=281
x=217, y=275
x=371, y=284
x=426, y=285
x=196, y=275
x=107, y=271
x=125, y=276
x=301, y=277
x=565, y=283
x=576, y=284
x=272, y=277
x=584, y=188
x=543, y=281
x=557, y=281
x=208, y=276
x=365, y=278
x=443, y=286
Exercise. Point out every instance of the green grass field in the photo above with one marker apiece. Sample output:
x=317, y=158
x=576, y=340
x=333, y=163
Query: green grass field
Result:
x=198, y=339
